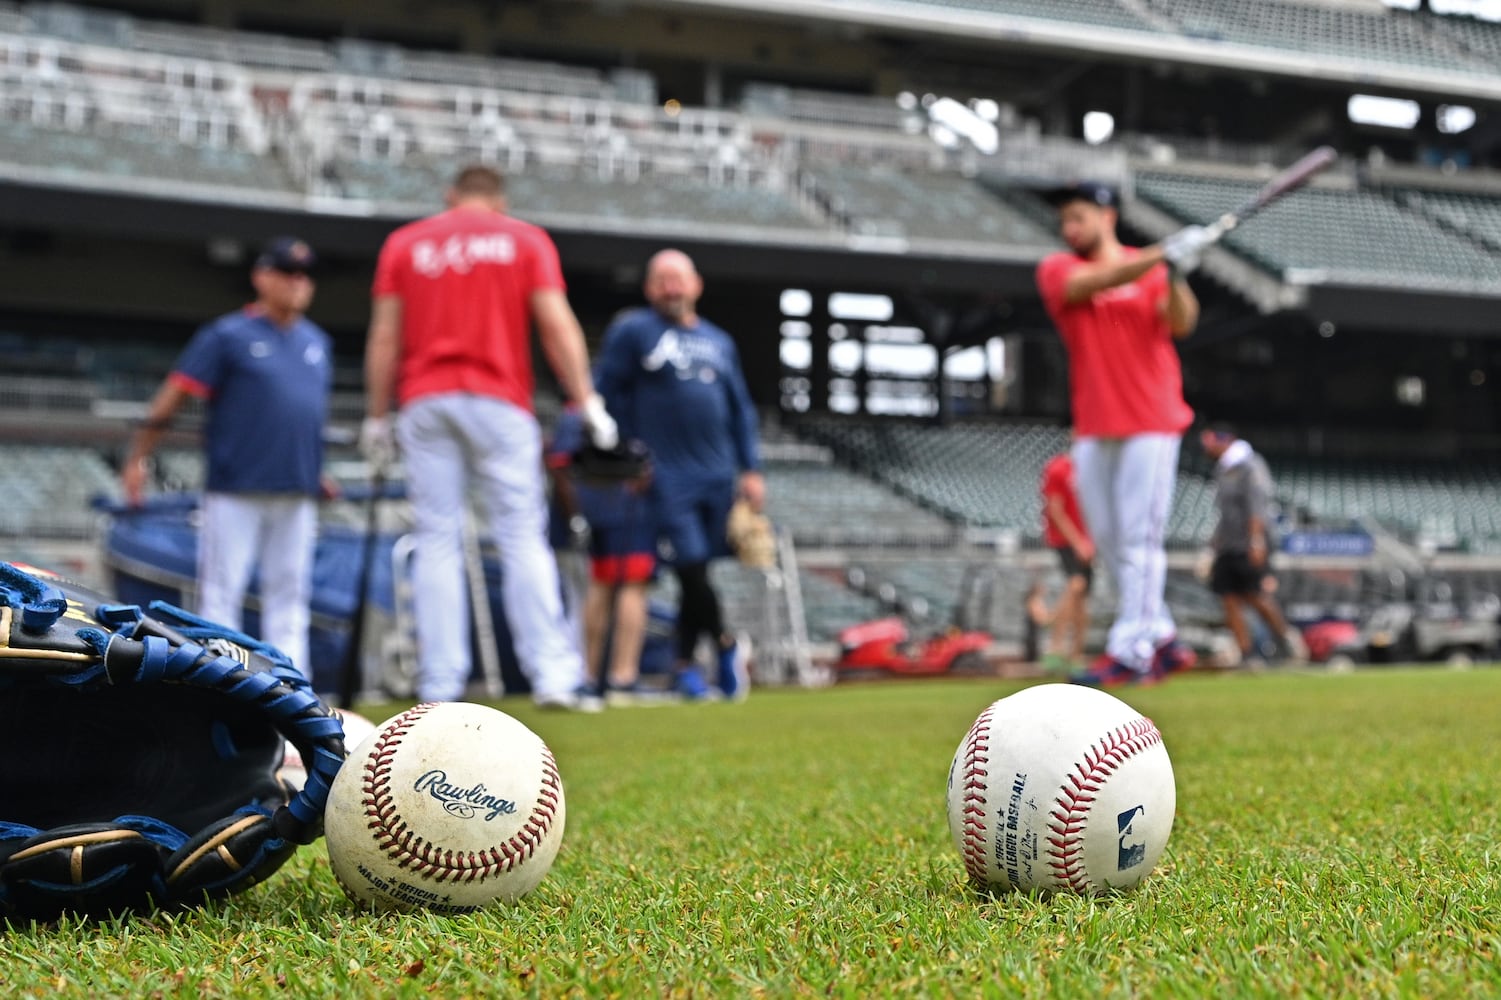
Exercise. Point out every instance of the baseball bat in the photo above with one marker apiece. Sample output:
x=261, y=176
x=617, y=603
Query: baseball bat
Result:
x=1288, y=181
x=479, y=611
x=350, y=670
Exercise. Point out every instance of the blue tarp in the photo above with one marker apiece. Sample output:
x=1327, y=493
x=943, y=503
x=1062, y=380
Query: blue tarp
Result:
x=152, y=552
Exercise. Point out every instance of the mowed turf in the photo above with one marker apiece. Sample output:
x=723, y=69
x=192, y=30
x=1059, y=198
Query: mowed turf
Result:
x=1336, y=835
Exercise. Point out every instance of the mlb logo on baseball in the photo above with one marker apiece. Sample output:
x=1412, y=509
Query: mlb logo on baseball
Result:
x=448, y=807
x=1133, y=851
x=1060, y=788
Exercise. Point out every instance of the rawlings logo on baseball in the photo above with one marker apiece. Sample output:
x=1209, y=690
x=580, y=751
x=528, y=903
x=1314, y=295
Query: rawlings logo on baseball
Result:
x=463, y=802
x=407, y=827
x=1060, y=788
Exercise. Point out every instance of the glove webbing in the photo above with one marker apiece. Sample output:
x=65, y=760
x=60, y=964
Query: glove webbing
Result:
x=137, y=859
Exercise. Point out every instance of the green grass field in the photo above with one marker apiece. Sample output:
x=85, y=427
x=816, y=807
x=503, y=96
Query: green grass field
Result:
x=1336, y=835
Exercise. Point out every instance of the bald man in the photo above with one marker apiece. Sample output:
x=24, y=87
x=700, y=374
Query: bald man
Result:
x=673, y=380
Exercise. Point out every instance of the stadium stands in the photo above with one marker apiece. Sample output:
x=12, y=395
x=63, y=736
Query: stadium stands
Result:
x=1095, y=13
x=986, y=475
x=924, y=205
x=127, y=153
x=929, y=589
x=980, y=474
x=1480, y=40
x=825, y=505
x=1330, y=234
x=90, y=93
x=72, y=108
x=1440, y=501
x=46, y=491
x=832, y=606
x=778, y=102
x=1476, y=216
x=1365, y=33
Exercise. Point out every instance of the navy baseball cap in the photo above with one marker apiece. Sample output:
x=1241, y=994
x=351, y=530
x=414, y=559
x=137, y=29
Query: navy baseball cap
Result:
x=1091, y=191
x=287, y=253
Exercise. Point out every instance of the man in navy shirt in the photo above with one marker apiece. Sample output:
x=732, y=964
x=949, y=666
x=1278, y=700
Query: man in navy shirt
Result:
x=672, y=380
x=264, y=373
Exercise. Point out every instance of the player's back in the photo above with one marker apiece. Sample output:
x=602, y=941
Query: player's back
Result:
x=465, y=279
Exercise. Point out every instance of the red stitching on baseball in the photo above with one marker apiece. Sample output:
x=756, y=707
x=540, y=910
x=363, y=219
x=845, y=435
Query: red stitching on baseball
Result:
x=1070, y=817
x=433, y=861
x=976, y=757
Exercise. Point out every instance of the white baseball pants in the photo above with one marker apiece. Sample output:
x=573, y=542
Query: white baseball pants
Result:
x=277, y=532
x=1125, y=492
x=449, y=441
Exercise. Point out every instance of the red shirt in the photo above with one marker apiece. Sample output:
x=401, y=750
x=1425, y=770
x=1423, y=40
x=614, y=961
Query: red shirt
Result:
x=465, y=279
x=1058, y=481
x=1123, y=370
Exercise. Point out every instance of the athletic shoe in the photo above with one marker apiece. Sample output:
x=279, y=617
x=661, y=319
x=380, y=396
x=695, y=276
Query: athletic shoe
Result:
x=691, y=685
x=588, y=699
x=1055, y=663
x=734, y=674
x=567, y=701
x=1106, y=671
x=1174, y=657
x=1297, y=649
x=637, y=696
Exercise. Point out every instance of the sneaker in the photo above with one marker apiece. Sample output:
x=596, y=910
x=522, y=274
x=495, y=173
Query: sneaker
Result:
x=580, y=699
x=691, y=685
x=1174, y=657
x=1055, y=663
x=636, y=696
x=734, y=675
x=1297, y=649
x=1106, y=671
x=588, y=699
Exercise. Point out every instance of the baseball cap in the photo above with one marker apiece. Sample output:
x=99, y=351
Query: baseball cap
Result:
x=287, y=253
x=1091, y=191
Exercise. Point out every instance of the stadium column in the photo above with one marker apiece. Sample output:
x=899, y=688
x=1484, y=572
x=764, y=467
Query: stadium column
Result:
x=819, y=341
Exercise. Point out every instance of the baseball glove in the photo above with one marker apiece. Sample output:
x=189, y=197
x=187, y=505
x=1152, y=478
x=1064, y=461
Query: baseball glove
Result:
x=627, y=462
x=138, y=754
x=751, y=536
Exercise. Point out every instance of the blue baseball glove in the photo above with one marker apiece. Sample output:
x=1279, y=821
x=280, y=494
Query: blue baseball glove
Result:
x=138, y=754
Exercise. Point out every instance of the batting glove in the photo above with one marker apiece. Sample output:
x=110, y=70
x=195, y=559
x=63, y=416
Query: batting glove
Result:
x=603, y=433
x=378, y=442
x=1183, y=249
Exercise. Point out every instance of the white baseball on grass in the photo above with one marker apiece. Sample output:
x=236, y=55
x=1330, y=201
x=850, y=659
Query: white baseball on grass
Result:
x=448, y=806
x=1061, y=788
x=294, y=771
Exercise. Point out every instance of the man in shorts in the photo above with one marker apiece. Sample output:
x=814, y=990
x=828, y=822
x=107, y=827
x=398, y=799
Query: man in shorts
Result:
x=1065, y=533
x=622, y=562
x=1241, y=573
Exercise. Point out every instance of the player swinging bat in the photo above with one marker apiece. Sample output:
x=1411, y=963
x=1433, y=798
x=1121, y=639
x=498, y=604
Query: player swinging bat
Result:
x=1118, y=312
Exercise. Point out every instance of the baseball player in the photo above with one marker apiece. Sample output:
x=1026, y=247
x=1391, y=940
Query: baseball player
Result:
x=454, y=301
x=1241, y=573
x=1118, y=310
x=1064, y=532
x=622, y=562
x=673, y=378
x=265, y=373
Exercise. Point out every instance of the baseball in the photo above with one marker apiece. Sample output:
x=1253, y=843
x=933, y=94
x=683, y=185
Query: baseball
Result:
x=449, y=807
x=293, y=770
x=1061, y=788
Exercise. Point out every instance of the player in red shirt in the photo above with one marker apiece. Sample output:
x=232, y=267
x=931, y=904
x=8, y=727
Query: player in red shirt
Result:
x=1118, y=310
x=455, y=297
x=1064, y=531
